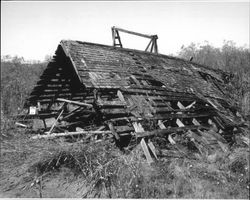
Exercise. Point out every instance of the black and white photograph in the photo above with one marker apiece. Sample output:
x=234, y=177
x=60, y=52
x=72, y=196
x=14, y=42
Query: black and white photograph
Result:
x=125, y=99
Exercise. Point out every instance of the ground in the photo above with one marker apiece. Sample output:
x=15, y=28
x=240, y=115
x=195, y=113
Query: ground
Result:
x=59, y=168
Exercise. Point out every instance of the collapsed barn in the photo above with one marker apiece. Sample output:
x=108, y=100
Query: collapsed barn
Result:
x=100, y=91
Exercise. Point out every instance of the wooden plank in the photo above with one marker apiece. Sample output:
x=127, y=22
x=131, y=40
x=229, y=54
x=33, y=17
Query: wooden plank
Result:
x=175, y=94
x=71, y=113
x=135, y=80
x=127, y=119
x=179, y=123
x=170, y=139
x=44, y=123
x=36, y=116
x=53, y=126
x=120, y=96
x=51, y=96
x=219, y=122
x=138, y=127
x=21, y=125
x=111, y=104
x=46, y=100
x=122, y=129
x=51, y=90
x=75, y=102
x=163, y=106
x=179, y=104
x=179, y=115
x=53, y=135
x=163, y=110
x=217, y=136
x=114, y=111
x=195, y=122
x=149, y=91
x=189, y=106
x=146, y=151
x=152, y=148
x=170, y=130
x=134, y=33
x=111, y=127
x=161, y=125
x=53, y=86
x=198, y=138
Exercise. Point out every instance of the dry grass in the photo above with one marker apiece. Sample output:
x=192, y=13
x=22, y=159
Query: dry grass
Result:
x=55, y=168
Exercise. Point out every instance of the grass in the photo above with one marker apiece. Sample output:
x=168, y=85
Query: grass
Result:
x=55, y=168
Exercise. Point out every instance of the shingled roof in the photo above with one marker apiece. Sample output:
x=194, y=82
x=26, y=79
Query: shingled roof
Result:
x=150, y=86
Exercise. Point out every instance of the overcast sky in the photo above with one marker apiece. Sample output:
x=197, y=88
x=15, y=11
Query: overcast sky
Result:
x=34, y=29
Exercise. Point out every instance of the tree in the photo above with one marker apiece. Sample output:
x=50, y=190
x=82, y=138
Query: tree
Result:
x=230, y=58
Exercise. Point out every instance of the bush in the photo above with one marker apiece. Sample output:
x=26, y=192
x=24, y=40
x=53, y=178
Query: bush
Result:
x=17, y=81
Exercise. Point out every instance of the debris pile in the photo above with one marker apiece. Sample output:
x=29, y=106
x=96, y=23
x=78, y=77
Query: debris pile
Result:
x=97, y=92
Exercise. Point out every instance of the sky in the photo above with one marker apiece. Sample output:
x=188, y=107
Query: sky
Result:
x=33, y=29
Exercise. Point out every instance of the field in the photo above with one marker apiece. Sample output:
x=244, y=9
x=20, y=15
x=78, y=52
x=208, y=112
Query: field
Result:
x=55, y=168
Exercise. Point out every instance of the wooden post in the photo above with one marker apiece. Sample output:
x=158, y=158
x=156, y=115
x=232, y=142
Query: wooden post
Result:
x=146, y=151
x=44, y=122
x=75, y=102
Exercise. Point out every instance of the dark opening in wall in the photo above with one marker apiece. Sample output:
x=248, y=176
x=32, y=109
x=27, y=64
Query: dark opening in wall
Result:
x=155, y=83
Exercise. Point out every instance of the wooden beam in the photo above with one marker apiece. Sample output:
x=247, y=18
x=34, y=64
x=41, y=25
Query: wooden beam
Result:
x=148, y=45
x=21, y=125
x=181, y=116
x=134, y=33
x=75, y=102
x=70, y=134
x=111, y=104
x=169, y=130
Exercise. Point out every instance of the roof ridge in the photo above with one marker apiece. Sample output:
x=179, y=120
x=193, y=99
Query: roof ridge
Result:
x=145, y=52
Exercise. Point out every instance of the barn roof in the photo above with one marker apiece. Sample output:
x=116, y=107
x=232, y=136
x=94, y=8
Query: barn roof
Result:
x=102, y=66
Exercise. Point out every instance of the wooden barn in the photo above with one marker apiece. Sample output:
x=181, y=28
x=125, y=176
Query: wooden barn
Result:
x=128, y=93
